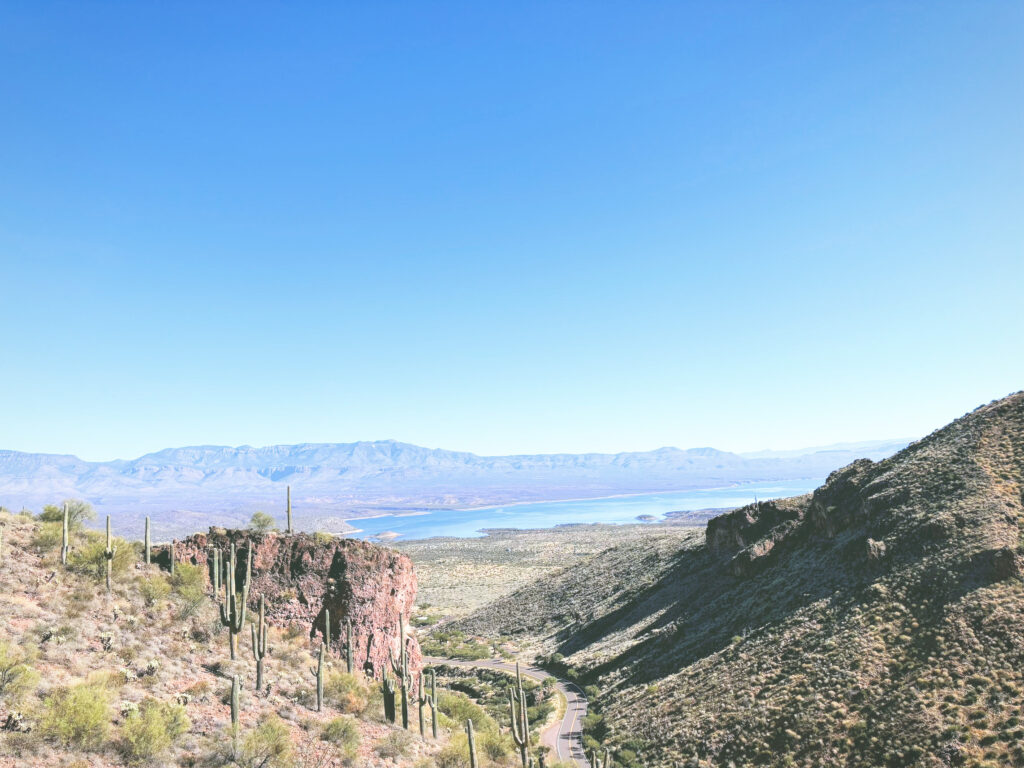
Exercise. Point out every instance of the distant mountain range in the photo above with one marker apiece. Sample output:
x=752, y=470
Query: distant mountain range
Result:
x=186, y=489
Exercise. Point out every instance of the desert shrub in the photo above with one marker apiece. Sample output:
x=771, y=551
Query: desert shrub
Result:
x=495, y=745
x=458, y=708
x=78, y=512
x=189, y=584
x=78, y=715
x=453, y=644
x=269, y=745
x=154, y=588
x=48, y=537
x=16, y=674
x=394, y=745
x=346, y=693
x=342, y=732
x=89, y=558
x=455, y=754
x=261, y=522
x=321, y=537
x=153, y=729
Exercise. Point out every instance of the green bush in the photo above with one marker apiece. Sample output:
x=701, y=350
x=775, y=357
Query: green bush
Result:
x=453, y=644
x=458, y=708
x=16, y=675
x=495, y=746
x=189, y=583
x=78, y=512
x=269, y=745
x=346, y=693
x=455, y=754
x=78, y=716
x=154, y=588
x=261, y=522
x=89, y=557
x=395, y=744
x=152, y=730
x=48, y=537
x=343, y=733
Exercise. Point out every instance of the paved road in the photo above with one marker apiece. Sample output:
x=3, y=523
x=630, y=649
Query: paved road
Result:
x=565, y=737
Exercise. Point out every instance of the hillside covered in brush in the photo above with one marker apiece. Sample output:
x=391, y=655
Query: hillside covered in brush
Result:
x=144, y=672
x=878, y=621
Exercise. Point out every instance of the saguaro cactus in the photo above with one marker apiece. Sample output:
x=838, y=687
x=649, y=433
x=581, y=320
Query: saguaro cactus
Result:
x=327, y=628
x=234, y=713
x=232, y=610
x=472, y=744
x=387, y=687
x=430, y=699
x=64, y=545
x=147, y=541
x=171, y=551
x=289, y=508
x=109, y=553
x=520, y=727
x=259, y=642
x=401, y=669
x=318, y=673
x=216, y=569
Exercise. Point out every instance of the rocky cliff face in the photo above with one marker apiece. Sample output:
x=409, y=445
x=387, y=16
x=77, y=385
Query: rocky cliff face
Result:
x=302, y=576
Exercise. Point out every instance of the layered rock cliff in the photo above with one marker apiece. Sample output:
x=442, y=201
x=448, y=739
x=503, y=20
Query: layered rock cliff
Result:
x=302, y=576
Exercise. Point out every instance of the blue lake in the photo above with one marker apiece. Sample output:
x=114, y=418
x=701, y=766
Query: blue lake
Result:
x=547, y=514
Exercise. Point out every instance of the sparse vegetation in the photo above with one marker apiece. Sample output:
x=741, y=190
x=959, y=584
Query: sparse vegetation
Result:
x=261, y=522
x=152, y=729
x=78, y=715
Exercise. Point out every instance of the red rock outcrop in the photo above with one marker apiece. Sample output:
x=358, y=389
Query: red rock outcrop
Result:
x=301, y=576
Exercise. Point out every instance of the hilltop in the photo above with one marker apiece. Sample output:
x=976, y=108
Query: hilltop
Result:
x=187, y=489
x=878, y=621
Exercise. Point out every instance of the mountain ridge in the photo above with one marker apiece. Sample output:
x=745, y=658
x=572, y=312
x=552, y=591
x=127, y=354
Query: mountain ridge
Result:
x=877, y=621
x=199, y=485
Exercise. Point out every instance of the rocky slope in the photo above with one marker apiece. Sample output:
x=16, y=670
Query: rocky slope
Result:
x=878, y=621
x=303, y=577
x=142, y=675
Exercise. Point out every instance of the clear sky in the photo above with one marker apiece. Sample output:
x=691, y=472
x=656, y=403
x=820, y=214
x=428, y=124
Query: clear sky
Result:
x=506, y=227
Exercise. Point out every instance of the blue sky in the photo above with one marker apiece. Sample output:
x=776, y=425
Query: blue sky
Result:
x=513, y=227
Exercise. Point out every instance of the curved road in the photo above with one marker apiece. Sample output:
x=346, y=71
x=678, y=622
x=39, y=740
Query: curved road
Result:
x=565, y=737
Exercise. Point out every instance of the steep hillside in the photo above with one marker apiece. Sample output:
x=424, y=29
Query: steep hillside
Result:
x=187, y=489
x=142, y=674
x=876, y=622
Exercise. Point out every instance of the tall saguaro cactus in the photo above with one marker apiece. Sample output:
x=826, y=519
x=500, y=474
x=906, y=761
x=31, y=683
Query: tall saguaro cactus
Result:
x=64, y=545
x=289, y=508
x=217, y=569
x=259, y=642
x=171, y=551
x=109, y=553
x=430, y=700
x=472, y=744
x=234, y=713
x=520, y=727
x=232, y=610
x=401, y=669
x=387, y=687
x=318, y=673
